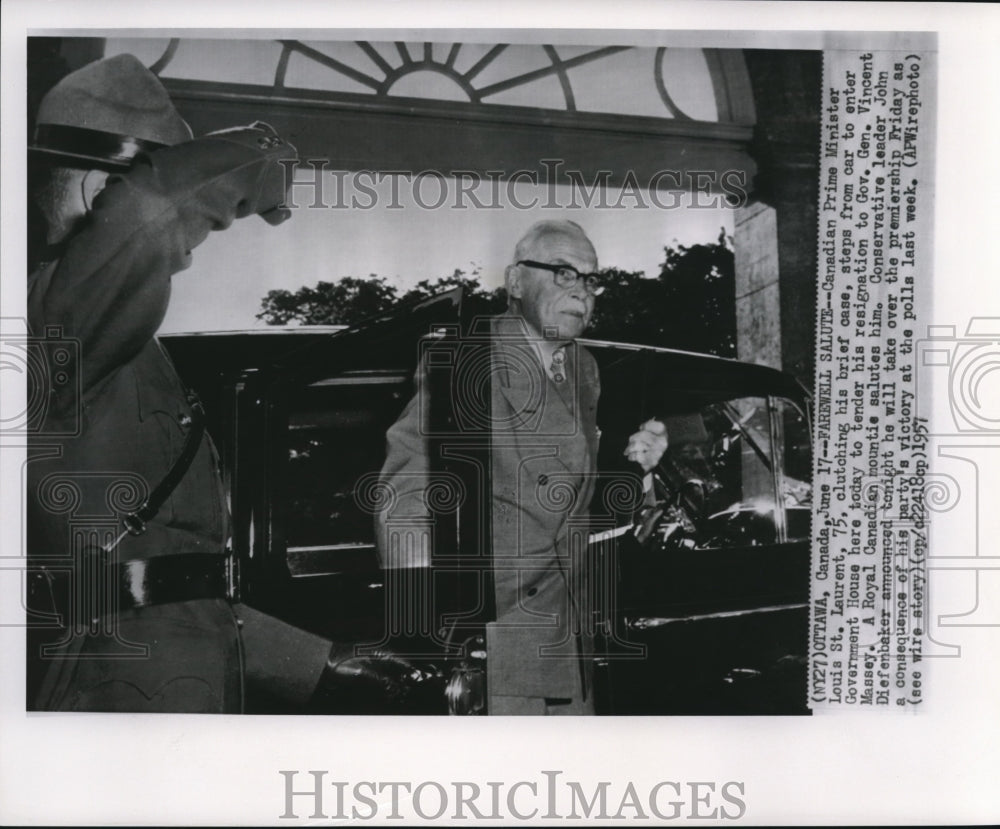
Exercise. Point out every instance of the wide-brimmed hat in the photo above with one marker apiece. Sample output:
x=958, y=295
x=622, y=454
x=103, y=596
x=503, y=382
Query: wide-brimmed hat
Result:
x=106, y=113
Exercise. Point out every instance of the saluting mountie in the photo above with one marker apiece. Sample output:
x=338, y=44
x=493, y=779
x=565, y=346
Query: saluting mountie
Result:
x=127, y=517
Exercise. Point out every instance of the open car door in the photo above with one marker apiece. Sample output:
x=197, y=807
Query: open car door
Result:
x=710, y=608
x=299, y=417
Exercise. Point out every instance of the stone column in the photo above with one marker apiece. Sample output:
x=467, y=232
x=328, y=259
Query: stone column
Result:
x=776, y=232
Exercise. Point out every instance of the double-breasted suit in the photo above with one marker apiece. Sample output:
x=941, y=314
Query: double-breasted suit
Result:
x=544, y=441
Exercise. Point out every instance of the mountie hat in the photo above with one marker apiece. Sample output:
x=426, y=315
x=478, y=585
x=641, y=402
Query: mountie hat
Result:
x=106, y=113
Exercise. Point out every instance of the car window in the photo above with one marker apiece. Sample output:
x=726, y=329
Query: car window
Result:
x=729, y=462
x=796, y=469
x=336, y=436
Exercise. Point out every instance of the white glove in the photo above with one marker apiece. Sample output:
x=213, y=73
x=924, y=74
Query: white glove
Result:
x=647, y=446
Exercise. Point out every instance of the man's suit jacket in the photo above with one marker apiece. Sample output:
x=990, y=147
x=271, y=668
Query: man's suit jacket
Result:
x=544, y=447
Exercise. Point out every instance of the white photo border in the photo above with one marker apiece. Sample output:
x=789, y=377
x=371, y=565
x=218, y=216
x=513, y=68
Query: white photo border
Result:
x=936, y=766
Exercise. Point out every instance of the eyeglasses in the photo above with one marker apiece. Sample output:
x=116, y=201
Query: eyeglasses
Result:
x=566, y=276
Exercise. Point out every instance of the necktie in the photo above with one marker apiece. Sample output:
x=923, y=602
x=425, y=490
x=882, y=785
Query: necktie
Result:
x=559, y=365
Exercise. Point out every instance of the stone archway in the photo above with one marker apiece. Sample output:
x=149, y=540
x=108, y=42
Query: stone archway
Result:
x=619, y=109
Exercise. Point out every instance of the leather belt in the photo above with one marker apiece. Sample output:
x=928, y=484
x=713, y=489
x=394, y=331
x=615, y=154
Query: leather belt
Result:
x=178, y=577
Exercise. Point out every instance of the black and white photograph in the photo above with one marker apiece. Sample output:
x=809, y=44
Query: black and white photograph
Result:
x=515, y=448
x=368, y=383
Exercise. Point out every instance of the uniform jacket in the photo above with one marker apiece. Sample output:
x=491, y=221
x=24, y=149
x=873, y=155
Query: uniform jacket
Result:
x=544, y=449
x=113, y=417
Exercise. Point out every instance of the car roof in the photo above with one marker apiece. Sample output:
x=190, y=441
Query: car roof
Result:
x=388, y=343
x=701, y=374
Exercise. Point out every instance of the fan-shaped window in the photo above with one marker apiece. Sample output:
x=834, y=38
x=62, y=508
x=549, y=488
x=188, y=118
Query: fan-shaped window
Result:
x=695, y=85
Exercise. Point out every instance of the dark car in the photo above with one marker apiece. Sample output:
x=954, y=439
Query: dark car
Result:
x=702, y=567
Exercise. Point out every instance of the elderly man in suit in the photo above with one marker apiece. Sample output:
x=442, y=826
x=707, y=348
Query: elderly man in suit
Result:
x=544, y=441
x=127, y=516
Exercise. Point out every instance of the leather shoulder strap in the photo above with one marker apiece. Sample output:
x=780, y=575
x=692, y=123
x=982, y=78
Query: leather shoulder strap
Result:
x=135, y=522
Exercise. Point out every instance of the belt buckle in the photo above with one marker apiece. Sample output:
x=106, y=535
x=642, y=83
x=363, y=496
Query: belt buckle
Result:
x=133, y=524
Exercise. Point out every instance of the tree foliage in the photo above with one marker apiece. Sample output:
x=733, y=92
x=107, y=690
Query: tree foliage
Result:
x=329, y=303
x=688, y=305
x=351, y=299
x=480, y=301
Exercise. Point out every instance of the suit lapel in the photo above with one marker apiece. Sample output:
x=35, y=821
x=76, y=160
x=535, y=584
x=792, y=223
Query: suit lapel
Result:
x=522, y=384
x=588, y=391
x=533, y=411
